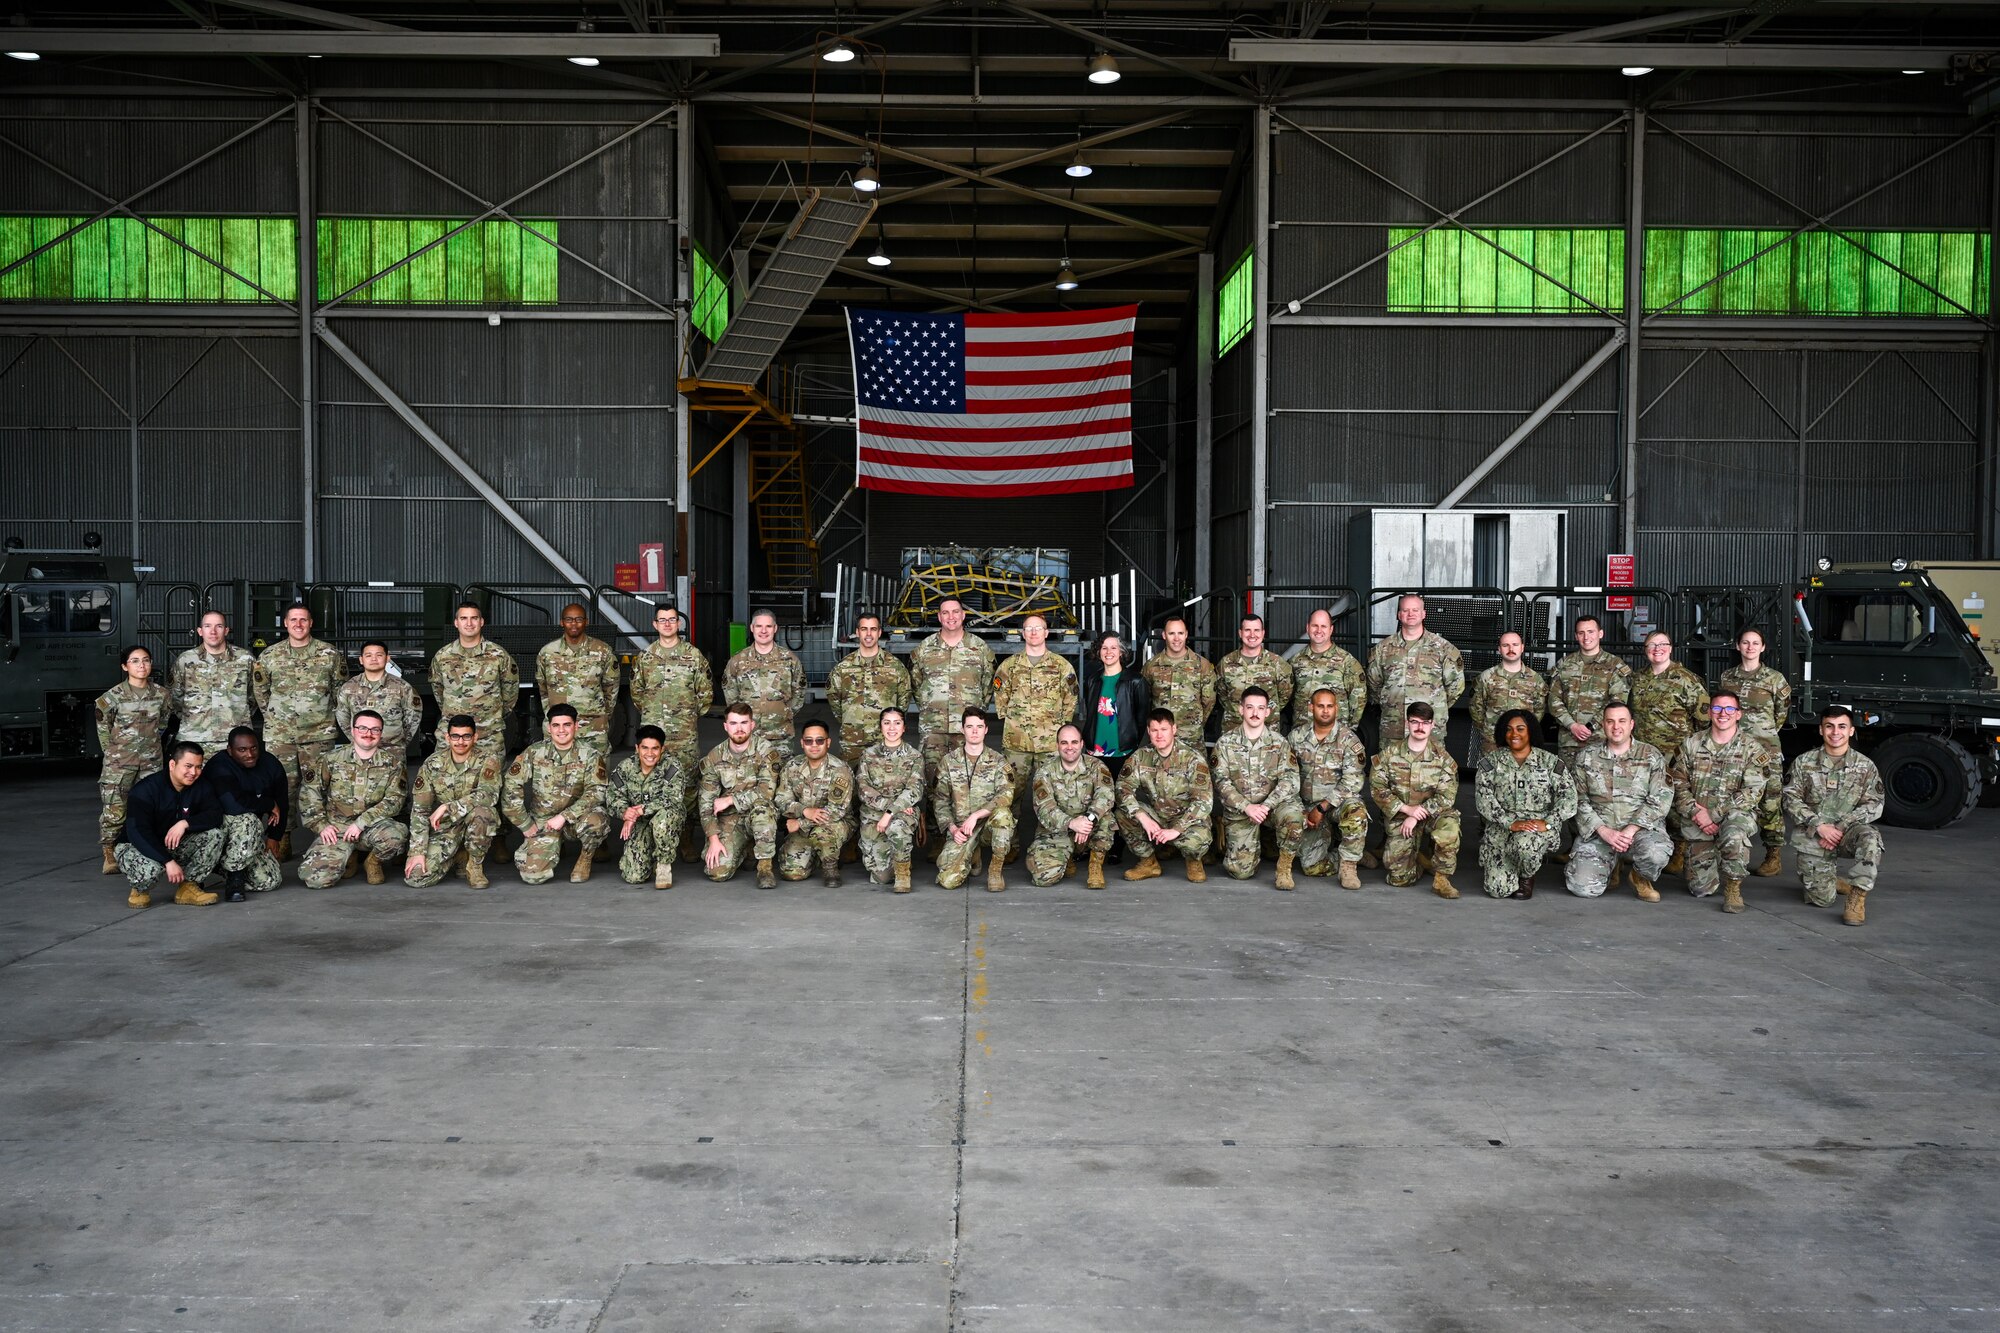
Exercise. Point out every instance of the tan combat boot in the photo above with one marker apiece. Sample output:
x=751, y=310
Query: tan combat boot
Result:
x=1857, y=906
x=996, y=875
x=1770, y=865
x=1617, y=873
x=829, y=872
x=766, y=877
x=663, y=874
x=475, y=872
x=192, y=894
x=1093, y=878
x=501, y=853
x=1148, y=868
x=580, y=872
x=902, y=877
x=1284, y=880
x=1732, y=895
x=1644, y=887
x=284, y=852
x=1369, y=860
x=1350, y=878
x=1842, y=887
x=349, y=866
x=1197, y=873
x=138, y=898
x=1442, y=886
x=1677, y=863
x=110, y=866
x=372, y=866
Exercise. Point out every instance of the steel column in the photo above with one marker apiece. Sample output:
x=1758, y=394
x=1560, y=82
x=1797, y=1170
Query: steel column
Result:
x=1170, y=458
x=1988, y=526
x=739, y=536
x=684, y=518
x=1204, y=419
x=1260, y=346
x=132, y=416
x=1635, y=299
x=308, y=349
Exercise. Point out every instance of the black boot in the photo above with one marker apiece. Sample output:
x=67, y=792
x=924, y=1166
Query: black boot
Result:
x=232, y=888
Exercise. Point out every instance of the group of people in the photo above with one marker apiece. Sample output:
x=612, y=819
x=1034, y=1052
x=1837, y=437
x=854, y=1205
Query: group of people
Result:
x=1652, y=767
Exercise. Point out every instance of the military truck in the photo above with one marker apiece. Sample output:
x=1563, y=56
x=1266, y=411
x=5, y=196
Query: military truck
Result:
x=64, y=616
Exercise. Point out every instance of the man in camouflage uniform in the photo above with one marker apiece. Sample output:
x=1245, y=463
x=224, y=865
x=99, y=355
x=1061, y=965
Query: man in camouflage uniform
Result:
x=252, y=789
x=950, y=672
x=385, y=692
x=1502, y=688
x=974, y=805
x=1414, y=783
x=1834, y=796
x=131, y=716
x=213, y=684
x=349, y=798
x=770, y=678
x=294, y=686
x=672, y=688
x=1166, y=800
x=1251, y=664
x=1719, y=778
x=1181, y=681
x=478, y=678
x=648, y=796
x=1073, y=800
x=1766, y=699
x=889, y=782
x=1669, y=704
x=737, y=799
x=1034, y=691
x=554, y=793
x=582, y=672
x=861, y=685
x=1325, y=665
x=1583, y=683
x=454, y=810
x=1333, y=770
x=1256, y=782
x=815, y=808
x=1622, y=799
x=173, y=830
x=1413, y=665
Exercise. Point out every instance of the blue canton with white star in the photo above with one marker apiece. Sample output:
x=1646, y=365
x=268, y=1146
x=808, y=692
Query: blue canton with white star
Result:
x=910, y=363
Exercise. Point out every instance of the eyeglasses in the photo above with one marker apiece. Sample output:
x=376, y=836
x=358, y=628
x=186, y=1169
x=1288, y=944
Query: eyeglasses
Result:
x=1724, y=708
x=813, y=740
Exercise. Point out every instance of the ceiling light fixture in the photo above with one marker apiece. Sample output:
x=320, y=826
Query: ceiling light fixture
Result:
x=25, y=55
x=1077, y=167
x=1103, y=69
x=1634, y=71
x=1912, y=71
x=867, y=180
x=588, y=62
x=839, y=53
x=880, y=259
x=1066, y=278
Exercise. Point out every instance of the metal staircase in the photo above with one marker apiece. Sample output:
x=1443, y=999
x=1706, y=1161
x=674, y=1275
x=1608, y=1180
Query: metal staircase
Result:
x=783, y=507
x=791, y=278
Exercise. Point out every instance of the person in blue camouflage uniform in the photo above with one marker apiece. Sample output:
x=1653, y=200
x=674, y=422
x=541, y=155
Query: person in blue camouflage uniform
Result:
x=648, y=798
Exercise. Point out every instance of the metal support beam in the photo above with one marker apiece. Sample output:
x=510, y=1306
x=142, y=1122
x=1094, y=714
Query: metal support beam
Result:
x=1111, y=135
x=469, y=474
x=326, y=18
x=132, y=415
x=308, y=349
x=1635, y=297
x=1260, y=347
x=1989, y=385
x=1534, y=420
x=682, y=541
x=1166, y=63
x=739, y=533
x=371, y=43
x=1168, y=463
x=1204, y=420
x=720, y=81
x=1589, y=55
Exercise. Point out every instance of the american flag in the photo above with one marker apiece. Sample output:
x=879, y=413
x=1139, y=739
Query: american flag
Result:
x=993, y=405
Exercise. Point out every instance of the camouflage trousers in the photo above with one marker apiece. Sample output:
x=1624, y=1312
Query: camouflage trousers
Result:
x=1243, y=839
x=754, y=830
x=1507, y=857
x=1771, y=810
x=1726, y=856
x=245, y=852
x=1399, y=854
x=1021, y=763
x=881, y=851
x=1050, y=854
x=813, y=843
x=778, y=729
x=1316, y=846
x=655, y=838
x=1193, y=844
x=955, y=858
x=686, y=753
x=291, y=756
x=538, y=855
x=594, y=730
x=1820, y=868
x=1592, y=860
x=472, y=835
x=324, y=863
x=113, y=785
x=199, y=853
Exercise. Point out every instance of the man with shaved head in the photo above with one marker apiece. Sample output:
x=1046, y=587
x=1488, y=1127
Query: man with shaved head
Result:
x=768, y=677
x=582, y=672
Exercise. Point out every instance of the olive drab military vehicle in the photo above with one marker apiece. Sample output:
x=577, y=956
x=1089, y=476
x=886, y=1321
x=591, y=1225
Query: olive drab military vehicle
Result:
x=64, y=617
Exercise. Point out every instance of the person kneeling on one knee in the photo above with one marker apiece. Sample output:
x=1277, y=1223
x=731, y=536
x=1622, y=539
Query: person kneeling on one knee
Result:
x=1622, y=799
x=1834, y=796
x=350, y=799
x=554, y=793
x=1524, y=794
x=172, y=831
x=1256, y=779
x=1415, y=785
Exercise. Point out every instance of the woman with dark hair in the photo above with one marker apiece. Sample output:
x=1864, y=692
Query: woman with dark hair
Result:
x=1524, y=795
x=1112, y=701
x=131, y=717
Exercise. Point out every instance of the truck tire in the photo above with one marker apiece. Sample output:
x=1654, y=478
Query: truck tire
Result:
x=1930, y=781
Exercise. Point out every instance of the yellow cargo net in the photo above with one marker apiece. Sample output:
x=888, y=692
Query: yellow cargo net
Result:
x=992, y=597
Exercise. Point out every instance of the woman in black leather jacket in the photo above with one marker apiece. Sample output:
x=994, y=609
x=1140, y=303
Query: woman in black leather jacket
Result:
x=1120, y=708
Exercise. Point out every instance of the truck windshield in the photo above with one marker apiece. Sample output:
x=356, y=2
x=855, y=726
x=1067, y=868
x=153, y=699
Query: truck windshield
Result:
x=49, y=612
x=1872, y=619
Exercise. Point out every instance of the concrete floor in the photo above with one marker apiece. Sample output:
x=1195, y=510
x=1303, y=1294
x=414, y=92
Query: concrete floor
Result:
x=1155, y=1108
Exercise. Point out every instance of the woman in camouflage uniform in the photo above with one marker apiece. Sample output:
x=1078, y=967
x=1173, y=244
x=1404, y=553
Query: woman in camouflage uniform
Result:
x=130, y=717
x=1766, y=699
x=1524, y=795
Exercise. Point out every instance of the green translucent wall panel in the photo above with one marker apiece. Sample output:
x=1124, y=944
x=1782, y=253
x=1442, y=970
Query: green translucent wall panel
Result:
x=124, y=259
x=495, y=262
x=711, y=297
x=1493, y=270
x=1234, y=304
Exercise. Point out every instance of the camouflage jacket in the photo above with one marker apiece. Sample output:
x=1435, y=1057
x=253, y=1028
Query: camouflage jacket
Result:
x=1254, y=772
x=773, y=684
x=482, y=682
x=1335, y=669
x=1766, y=697
x=1176, y=788
x=859, y=688
x=584, y=677
x=1499, y=691
x=130, y=722
x=1236, y=673
x=462, y=788
x=890, y=779
x=1582, y=686
x=665, y=788
x=544, y=781
x=1721, y=777
x=1184, y=686
x=1844, y=792
x=1401, y=776
x=392, y=696
x=1615, y=790
x=1540, y=788
x=1062, y=794
x=343, y=788
x=1333, y=770
x=213, y=694
x=803, y=787
x=1668, y=708
x=295, y=689
x=945, y=681
x=750, y=776
x=1430, y=668
x=966, y=784
x=672, y=688
x=1036, y=696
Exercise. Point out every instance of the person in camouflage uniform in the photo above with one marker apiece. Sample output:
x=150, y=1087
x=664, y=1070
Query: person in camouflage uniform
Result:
x=1414, y=783
x=1181, y=681
x=1510, y=685
x=1166, y=800
x=554, y=793
x=1719, y=777
x=770, y=678
x=1834, y=797
x=1622, y=799
x=974, y=804
x=815, y=807
x=648, y=796
x=1669, y=704
x=1251, y=664
x=454, y=809
x=1256, y=782
x=1325, y=665
x=1524, y=795
x=294, y=688
x=1034, y=691
x=1333, y=770
x=131, y=717
x=173, y=830
x=950, y=672
x=889, y=783
x=1073, y=799
x=350, y=798
x=1766, y=699
x=1582, y=684
x=478, y=678
x=213, y=683
x=382, y=691
x=252, y=790
x=582, y=672
x=861, y=685
x=672, y=688
x=1413, y=665
x=737, y=800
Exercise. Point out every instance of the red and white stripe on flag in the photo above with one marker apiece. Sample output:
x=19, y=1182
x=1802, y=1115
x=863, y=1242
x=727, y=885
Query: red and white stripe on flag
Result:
x=982, y=405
